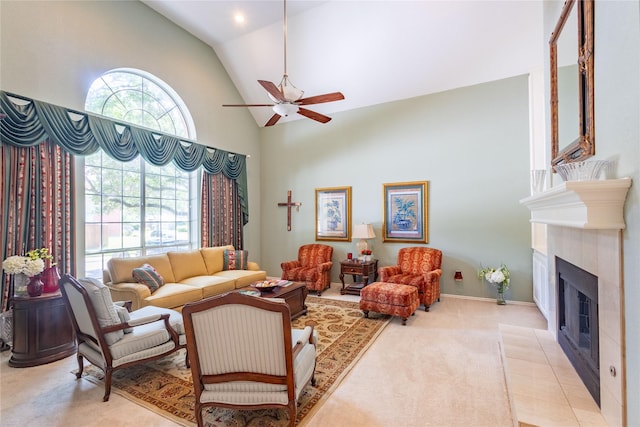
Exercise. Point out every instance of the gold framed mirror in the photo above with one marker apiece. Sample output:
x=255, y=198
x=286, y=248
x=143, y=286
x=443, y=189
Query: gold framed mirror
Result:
x=572, y=107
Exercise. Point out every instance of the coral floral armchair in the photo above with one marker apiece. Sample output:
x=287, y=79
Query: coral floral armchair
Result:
x=420, y=267
x=312, y=266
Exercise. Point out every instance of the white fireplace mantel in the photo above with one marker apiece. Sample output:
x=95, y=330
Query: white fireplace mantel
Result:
x=594, y=205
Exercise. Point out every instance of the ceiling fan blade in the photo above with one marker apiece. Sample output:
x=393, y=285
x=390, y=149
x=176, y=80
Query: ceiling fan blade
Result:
x=247, y=105
x=273, y=120
x=319, y=99
x=273, y=90
x=313, y=115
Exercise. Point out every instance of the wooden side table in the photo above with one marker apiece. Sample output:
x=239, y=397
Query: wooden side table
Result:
x=42, y=330
x=368, y=270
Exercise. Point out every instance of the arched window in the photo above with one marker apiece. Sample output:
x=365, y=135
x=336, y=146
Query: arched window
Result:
x=136, y=208
x=139, y=98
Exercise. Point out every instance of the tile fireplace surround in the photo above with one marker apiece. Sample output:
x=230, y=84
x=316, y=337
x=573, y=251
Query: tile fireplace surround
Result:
x=584, y=227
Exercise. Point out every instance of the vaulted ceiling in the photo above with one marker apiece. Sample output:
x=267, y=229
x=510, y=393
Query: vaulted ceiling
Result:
x=372, y=51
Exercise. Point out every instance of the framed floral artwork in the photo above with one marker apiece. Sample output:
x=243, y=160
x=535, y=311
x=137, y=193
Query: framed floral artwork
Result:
x=333, y=214
x=405, y=212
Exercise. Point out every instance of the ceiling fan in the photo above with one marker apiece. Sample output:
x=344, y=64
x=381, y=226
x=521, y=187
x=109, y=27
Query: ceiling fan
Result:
x=287, y=99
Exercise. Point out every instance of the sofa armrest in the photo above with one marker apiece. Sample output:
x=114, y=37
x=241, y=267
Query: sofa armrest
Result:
x=127, y=291
x=288, y=265
x=386, y=272
x=325, y=266
x=253, y=266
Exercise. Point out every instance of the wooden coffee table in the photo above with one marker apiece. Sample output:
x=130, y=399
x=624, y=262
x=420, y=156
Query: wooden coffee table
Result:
x=294, y=295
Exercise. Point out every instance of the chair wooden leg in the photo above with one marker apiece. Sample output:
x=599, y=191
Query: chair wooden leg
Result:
x=198, y=413
x=80, y=366
x=292, y=414
x=107, y=383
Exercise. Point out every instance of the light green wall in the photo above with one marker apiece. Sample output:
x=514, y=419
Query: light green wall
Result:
x=471, y=144
x=53, y=50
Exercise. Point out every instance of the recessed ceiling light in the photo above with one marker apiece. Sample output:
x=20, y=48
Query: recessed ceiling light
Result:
x=239, y=18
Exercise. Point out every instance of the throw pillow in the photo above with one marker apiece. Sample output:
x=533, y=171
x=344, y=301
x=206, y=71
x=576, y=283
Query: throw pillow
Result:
x=235, y=260
x=123, y=314
x=147, y=275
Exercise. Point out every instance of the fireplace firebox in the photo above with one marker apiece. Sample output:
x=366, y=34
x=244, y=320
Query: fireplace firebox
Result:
x=578, y=322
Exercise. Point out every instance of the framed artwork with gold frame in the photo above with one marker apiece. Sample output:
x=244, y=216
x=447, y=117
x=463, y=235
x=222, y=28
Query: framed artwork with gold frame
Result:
x=405, y=212
x=333, y=214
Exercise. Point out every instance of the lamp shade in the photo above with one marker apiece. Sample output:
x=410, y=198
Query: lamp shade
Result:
x=363, y=231
x=285, y=109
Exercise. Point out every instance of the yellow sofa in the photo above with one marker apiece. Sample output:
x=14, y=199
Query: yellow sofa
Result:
x=188, y=276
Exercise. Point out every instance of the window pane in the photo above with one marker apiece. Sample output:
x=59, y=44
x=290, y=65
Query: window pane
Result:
x=131, y=235
x=131, y=209
x=182, y=232
x=131, y=183
x=93, y=266
x=112, y=236
x=168, y=210
x=92, y=237
x=152, y=210
x=92, y=180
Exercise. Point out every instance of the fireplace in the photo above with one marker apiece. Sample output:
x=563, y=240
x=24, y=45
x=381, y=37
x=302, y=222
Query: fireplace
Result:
x=583, y=223
x=578, y=322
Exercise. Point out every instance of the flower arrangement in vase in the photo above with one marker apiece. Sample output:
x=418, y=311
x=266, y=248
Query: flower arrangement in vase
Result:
x=27, y=270
x=501, y=277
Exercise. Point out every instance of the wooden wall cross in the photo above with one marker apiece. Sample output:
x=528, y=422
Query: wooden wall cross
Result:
x=289, y=204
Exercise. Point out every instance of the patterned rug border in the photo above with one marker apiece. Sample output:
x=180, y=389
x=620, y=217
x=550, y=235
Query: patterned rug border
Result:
x=157, y=407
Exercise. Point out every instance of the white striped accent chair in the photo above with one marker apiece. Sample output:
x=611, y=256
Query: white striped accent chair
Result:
x=111, y=337
x=245, y=355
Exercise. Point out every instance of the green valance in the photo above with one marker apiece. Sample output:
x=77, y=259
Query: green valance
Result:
x=29, y=122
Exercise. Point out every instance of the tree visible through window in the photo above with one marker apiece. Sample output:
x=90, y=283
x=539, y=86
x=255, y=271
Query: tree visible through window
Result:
x=136, y=208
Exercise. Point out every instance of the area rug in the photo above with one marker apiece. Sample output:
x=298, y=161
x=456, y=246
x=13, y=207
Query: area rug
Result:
x=165, y=386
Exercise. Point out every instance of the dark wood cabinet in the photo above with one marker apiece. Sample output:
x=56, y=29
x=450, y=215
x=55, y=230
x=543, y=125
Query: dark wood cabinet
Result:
x=42, y=330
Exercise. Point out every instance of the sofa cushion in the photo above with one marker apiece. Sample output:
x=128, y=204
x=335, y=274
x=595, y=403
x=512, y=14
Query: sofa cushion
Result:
x=104, y=307
x=235, y=260
x=121, y=269
x=174, y=295
x=243, y=278
x=213, y=257
x=147, y=275
x=211, y=285
x=187, y=264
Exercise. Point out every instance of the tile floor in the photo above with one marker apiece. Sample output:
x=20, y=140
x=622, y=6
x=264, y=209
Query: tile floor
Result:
x=544, y=388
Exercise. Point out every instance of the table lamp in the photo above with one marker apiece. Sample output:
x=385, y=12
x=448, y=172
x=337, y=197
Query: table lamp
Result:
x=363, y=232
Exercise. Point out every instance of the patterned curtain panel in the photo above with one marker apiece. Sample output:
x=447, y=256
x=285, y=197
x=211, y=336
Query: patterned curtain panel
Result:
x=221, y=212
x=37, y=203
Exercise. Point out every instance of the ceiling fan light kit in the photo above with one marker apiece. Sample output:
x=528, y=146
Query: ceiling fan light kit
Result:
x=287, y=98
x=285, y=110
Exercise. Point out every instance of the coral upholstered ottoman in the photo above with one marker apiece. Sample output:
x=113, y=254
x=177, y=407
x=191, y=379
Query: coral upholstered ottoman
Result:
x=389, y=298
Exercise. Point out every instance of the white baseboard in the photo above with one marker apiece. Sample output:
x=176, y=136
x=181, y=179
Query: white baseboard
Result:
x=489, y=299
